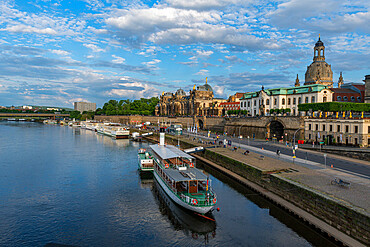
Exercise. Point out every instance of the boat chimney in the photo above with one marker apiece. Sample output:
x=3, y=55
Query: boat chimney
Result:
x=161, y=136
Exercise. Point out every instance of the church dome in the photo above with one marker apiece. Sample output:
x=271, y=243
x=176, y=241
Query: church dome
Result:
x=208, y=87
x=319, y=43
x=180, y=92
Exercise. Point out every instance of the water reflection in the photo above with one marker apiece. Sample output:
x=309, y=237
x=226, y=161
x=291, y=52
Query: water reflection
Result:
x=287, y=219
x=192, y=225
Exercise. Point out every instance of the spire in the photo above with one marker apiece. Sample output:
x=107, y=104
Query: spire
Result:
x=340, y=81
x=206, y=80
x=297, y=82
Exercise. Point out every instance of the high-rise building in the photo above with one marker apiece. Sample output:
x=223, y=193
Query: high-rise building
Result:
x=84, y=106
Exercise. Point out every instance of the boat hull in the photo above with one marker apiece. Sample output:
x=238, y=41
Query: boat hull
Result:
x=201, y=210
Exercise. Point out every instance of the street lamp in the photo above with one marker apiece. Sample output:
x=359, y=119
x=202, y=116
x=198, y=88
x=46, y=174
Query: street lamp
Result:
x=294, y=143
x=239, y=133
x=294, y=136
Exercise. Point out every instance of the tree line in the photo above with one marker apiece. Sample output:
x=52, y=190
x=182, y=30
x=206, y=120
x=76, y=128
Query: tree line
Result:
x=128, y=107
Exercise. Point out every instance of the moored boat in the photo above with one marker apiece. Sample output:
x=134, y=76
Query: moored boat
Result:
x=176, y=173
x=146, y=161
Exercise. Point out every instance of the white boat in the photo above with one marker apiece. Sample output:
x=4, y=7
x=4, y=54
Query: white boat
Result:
x=176, y=173
x=145, y=161
x=135, y=136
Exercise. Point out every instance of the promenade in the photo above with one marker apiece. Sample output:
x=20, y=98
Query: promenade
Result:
x=310, y=174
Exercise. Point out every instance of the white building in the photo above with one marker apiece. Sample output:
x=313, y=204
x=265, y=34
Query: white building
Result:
x=345, y=131
x=84, y=106
x=261, y=102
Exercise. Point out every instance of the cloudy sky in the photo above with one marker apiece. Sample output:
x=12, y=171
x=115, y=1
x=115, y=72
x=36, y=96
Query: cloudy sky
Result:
x=55, y=52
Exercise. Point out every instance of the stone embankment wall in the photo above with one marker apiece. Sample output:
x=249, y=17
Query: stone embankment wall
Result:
x=363, y=155
x=348, y=220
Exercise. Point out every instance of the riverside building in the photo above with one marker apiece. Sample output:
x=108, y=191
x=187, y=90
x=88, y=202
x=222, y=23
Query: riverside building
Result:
x=345, y=131
x=318, y=88
x=84, y=106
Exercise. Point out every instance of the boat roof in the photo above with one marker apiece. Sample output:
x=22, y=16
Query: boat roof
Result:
x=169, y=151
x=185, y=175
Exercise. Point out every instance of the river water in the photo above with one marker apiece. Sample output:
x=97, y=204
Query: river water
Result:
x=61, y=185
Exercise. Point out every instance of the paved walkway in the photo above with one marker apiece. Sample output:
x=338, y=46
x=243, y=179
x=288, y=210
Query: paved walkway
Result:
x=310, y=174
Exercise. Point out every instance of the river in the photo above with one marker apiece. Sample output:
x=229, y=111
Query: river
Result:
x=63, y=185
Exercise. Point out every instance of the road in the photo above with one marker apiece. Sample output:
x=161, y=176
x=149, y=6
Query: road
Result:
x=304, y=157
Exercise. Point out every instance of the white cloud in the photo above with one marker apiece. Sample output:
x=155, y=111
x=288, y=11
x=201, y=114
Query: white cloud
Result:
x=94, y=48
x=181, y=26
x=202, y=72
x=60, y=52
x=153, y=63
x=202, y=4
x=28, y=29
x=119, y=60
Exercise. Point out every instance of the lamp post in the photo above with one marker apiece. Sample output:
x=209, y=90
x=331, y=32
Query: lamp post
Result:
x=294, y=143
x=239, y=133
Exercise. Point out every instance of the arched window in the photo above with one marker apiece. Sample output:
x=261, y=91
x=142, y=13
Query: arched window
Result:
x=339, y=98
x=324, y=99
x=275, y=101
x=283, y=101
x=294, y=101
x=288, y=101
x=306, y=100
x=267, y=102
x=299, y=100
x=358, y=98
x=352, y=98
x=345, y=98
x=313, y=99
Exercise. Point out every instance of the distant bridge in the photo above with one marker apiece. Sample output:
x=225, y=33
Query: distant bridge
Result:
x=24, y=114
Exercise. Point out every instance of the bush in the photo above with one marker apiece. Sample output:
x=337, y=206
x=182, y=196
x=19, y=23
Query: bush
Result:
x=335, y=107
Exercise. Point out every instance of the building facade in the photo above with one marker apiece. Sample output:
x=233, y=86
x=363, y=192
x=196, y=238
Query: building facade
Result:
x=367, y=89
x=261, y=102
x=84, y=106
x=200, y=102
x=346, y=131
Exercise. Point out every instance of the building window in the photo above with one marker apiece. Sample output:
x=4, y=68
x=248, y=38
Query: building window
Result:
x=306, y=100
x=339, y=98
x=356, y=129
x=323, y=128
x=317, y=127
x=255, y=103
x=338, y=128
x=309, y=136
x=275, y=101
x=358, y=98
x=309, y=126
x=356, y=141
x=262, y=101
x=294, y=102
x=330, y=127
x=345, y=98
x=289, y=101
x=352, y=98
x=324, y=99
x=299, y=100
x=267, y=101
x=249, y=103
x=347, y=128
x=283, y=101
x=313, y=99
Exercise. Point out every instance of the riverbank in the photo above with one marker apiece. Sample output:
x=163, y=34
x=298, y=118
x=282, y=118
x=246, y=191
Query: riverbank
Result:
x=341, y=213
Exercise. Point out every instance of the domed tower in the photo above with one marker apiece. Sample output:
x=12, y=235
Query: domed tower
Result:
x=319, y=72
x=297, y=84
x=340, y=81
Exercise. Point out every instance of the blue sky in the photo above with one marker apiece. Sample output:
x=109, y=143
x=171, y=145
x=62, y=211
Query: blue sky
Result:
x=56, y=52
